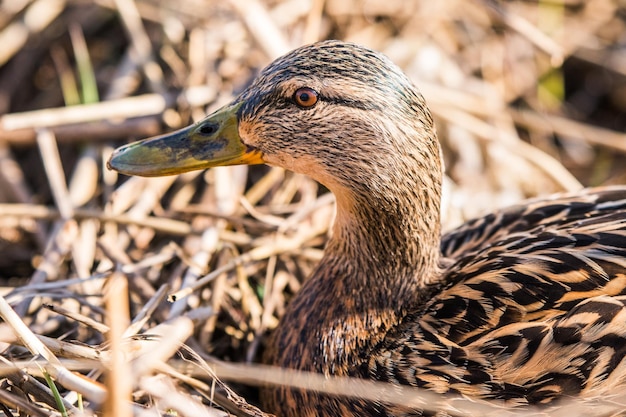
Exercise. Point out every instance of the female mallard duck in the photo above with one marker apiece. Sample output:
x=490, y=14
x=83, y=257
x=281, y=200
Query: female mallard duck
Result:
x=526, y=305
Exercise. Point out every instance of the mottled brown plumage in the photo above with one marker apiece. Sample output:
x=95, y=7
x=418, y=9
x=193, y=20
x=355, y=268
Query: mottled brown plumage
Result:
x=526, y=305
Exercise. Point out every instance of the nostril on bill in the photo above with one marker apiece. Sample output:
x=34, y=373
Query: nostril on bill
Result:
x=208, y=129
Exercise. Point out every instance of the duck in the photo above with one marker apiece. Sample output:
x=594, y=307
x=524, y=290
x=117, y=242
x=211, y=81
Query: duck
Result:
x=525, y=306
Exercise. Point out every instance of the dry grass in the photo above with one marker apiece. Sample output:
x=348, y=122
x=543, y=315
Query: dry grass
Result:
x=528, y=97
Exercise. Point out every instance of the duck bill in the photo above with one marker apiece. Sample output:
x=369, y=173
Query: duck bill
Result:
x=212, y=142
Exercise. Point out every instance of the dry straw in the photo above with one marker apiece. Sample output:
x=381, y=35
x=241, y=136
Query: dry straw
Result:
x=528, y=98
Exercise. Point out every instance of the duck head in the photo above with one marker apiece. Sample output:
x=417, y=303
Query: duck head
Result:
x=338, y=112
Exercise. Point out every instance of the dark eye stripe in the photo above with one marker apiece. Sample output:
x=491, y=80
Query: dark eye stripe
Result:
x=356, y=104
x=278, y=101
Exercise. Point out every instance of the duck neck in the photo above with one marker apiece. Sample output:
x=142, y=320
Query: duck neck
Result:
x=390, y=246
x=377, y=267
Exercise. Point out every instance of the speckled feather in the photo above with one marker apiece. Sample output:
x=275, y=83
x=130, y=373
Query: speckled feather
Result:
x=531, y=310
x=525, y=305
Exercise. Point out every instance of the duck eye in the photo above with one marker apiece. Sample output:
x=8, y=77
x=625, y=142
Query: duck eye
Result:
x=305, y=97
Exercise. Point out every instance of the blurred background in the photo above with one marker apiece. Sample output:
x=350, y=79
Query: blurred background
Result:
x=529, y=98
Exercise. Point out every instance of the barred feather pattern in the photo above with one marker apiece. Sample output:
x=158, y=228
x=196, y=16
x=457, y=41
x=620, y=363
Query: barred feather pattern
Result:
x=533, y=309
x=529, y=309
